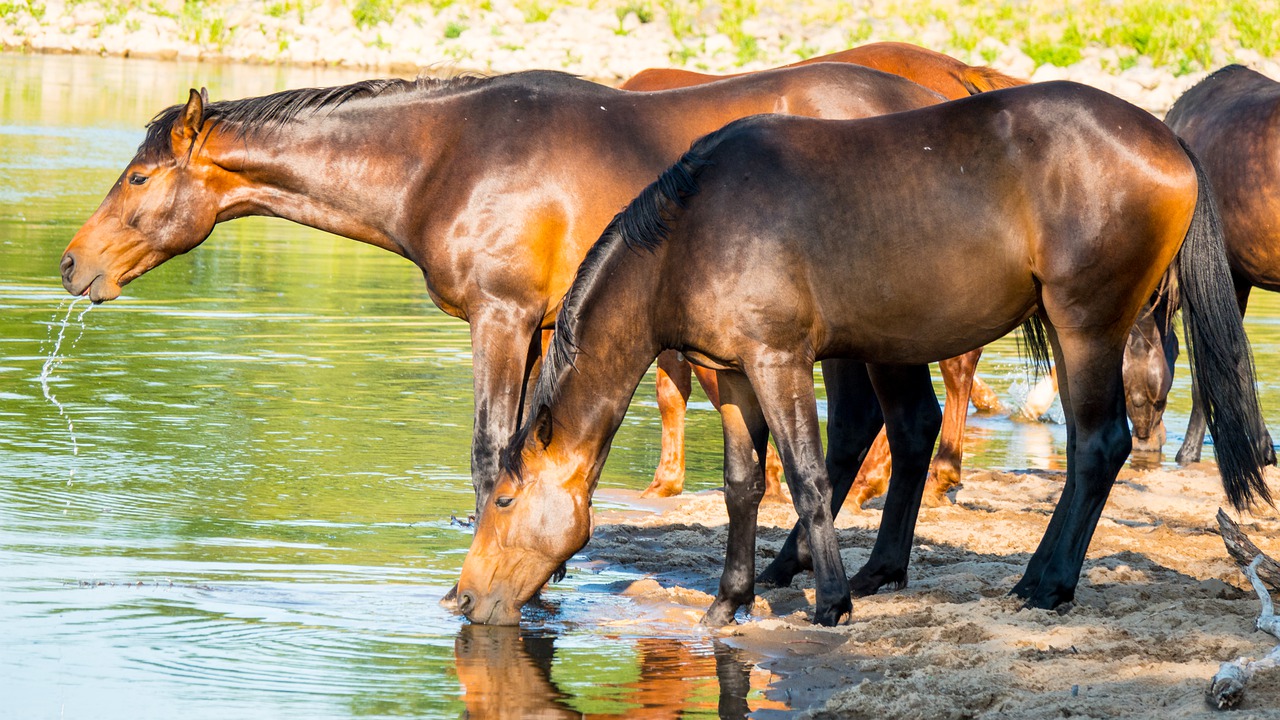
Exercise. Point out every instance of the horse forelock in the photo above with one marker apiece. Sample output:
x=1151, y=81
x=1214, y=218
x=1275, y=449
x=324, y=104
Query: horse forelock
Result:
x=266, y=113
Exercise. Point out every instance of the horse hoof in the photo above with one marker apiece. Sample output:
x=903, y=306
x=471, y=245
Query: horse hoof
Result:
x=719, y=615
x=773, y=578
x=663, y=488
x=839, y=614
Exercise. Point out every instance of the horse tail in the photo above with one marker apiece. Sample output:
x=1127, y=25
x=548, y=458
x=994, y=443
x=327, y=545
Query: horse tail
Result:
x=1221, y=361
x=979, y=79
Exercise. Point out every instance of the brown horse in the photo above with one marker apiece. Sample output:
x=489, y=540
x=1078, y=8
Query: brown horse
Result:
x=494, y=187
x=1230, y=120
x=940, y=73
x=779, y=241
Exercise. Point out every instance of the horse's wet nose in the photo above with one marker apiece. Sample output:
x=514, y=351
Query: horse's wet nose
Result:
x=68, y=267
x=466, y=601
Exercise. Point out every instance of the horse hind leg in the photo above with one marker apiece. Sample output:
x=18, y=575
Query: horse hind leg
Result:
x=944, y=472
x=912, y=422
x=1091, y=381
x=673, y=387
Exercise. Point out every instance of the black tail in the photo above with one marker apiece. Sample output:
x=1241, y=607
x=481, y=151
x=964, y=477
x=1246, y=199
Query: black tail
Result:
x=1220, y=357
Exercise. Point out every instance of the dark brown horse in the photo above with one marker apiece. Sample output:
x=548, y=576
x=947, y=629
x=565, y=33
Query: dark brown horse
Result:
x=778, y=241
x=1231, y=119
x=494, y=187
x=942, y=74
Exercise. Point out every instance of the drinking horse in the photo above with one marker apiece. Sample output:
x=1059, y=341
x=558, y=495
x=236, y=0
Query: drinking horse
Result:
x=941, y=73
x=1229, y=120
x=494, y=187
x=777, y=242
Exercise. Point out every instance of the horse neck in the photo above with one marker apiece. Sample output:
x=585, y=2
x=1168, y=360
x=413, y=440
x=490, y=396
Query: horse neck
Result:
x=347, y=173
x=616, y=339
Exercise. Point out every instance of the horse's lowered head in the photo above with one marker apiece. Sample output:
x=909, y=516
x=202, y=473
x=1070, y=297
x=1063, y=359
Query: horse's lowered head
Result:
x=164, y=204
x=536, y=518
x=1148, y=375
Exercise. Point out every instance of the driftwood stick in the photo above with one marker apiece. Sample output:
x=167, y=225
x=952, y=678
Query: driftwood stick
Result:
x=1226, y=689
x=1242, y=549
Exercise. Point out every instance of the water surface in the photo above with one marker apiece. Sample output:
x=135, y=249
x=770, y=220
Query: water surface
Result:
x=272, y=437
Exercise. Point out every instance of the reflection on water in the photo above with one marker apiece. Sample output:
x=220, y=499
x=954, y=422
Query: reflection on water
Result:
x=511, y=673
x=273, y=435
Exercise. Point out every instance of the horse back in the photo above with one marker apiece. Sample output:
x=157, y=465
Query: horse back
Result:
x=1231, y=120
x=992, y=202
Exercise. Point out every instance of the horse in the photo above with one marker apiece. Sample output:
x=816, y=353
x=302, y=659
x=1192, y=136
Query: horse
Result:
x=1229, y=120
x=778, y=241
x=932, y=69
x=495, y=187
x=941, y=73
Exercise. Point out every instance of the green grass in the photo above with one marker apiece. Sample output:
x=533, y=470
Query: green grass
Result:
x=454, y=30
x=367, y=13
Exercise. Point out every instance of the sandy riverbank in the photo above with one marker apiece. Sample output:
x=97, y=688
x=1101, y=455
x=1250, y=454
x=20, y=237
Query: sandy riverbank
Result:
x=1160, y=604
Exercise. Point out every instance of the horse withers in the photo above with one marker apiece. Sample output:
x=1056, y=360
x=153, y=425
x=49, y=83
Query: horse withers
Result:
x=777, y=242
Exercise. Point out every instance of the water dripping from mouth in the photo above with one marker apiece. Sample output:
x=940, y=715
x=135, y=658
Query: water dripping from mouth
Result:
x=54, y=361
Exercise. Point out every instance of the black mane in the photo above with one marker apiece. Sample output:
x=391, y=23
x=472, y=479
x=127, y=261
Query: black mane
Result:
x=256, y=115
x=643, y=225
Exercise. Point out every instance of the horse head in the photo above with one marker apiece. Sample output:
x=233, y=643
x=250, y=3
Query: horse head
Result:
x=536, y=518
x=164, y=204
x=1148, y=375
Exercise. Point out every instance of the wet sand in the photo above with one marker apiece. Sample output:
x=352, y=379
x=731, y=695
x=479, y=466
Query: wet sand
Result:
x=1160, y=604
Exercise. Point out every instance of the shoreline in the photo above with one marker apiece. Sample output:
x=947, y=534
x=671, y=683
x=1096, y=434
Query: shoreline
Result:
x=607, y=41
x=1159, y=606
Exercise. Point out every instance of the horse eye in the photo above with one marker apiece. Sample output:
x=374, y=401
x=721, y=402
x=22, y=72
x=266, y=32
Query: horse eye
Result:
x=136, y=179
x=504, y=501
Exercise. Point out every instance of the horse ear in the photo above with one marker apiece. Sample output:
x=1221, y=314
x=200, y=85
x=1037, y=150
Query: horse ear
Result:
x=204, y=95
x=542, y=426
x=188, y=123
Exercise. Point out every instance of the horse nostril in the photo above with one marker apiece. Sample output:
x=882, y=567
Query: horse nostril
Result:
x=466, y=601
x=68, y=265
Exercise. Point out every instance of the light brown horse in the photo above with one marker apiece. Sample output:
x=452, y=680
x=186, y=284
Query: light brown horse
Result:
x=1232, y=121
x=779, y=241
x=494, y=187
x=942, y=74
x=934, y=70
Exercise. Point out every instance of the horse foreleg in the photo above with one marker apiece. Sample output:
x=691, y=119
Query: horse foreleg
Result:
x=673, y=386
x=1090, y=370
x=708, y=379
x=785, y=390
x=853, y=421
x=944, y=472
x=745, y=438
x=912, y=421
x=503, y=349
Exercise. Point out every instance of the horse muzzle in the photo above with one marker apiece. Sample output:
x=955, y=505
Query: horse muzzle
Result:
x=487, y=610
x=81, y=282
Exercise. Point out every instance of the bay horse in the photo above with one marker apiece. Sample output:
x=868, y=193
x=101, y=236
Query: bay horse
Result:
x=495, y=187
x=1230, y=120
x=941, y=73
x=779, y=241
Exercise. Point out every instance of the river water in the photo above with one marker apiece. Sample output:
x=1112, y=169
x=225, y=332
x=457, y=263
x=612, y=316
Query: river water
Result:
x=253, y=516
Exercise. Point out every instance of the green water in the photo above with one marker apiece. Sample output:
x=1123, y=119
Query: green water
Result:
x=272, y=436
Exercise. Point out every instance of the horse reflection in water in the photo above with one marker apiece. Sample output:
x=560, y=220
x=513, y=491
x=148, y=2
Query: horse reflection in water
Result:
x=506, y=673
